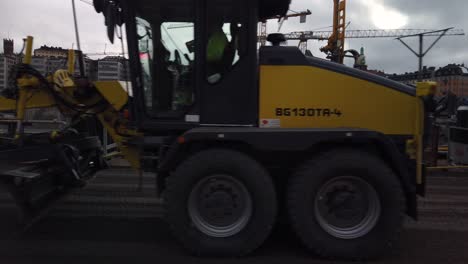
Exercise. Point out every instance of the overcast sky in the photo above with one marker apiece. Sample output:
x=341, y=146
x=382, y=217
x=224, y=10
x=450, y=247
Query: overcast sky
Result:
x=51, y=23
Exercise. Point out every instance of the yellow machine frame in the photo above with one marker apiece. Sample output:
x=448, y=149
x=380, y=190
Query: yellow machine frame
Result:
x=31, y=96
x=311, y=97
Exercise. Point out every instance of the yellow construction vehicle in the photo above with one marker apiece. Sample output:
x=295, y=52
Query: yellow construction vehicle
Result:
x=233, y=133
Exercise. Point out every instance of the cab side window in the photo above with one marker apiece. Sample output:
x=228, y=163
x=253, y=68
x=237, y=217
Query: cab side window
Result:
x=166, y=48
x=224, y=32
x=176, y=39
x=146, y=52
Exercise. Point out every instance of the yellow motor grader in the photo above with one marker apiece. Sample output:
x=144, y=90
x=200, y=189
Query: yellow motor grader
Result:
x=236, y=135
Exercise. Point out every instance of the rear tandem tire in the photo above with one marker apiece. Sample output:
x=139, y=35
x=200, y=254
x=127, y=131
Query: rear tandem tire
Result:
x=220, y=203
x=346, y=204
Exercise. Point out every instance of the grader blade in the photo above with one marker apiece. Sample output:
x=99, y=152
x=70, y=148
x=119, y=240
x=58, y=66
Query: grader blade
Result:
x=40, y=176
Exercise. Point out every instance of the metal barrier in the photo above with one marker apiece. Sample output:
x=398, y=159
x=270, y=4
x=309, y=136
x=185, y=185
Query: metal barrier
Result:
x=108, y=146
x=458, y=146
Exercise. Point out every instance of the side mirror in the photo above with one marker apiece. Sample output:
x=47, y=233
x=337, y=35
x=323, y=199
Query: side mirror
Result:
x=99, y=5
x=111, y=20
x=112, y=13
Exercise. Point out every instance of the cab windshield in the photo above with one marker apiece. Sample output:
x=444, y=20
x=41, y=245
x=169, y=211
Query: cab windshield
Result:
x=166, y=53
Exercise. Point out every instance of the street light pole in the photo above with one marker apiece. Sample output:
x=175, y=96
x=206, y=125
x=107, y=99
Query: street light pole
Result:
x=421, y=54
x=78, y=43
x=75, y=20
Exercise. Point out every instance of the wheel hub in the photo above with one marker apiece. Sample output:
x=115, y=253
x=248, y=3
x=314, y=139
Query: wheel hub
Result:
x=347, y=207
x=220, y=206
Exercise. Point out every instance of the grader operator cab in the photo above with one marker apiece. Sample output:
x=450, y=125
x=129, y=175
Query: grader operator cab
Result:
x=236, y=135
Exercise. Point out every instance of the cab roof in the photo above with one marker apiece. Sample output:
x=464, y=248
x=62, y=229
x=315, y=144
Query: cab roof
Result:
x=266, y=8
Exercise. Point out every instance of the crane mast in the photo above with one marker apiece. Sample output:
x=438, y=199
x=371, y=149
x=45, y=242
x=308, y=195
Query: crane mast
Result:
x=335, y=47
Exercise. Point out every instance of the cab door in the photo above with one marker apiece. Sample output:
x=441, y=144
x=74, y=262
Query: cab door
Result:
x=229, y=88
x=176, y=84
x=164, y=63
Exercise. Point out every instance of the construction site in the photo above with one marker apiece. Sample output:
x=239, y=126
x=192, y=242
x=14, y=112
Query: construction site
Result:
x=209, y=131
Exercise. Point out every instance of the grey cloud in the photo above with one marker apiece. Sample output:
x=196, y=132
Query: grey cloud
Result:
x=50, y=21
x=389, y=54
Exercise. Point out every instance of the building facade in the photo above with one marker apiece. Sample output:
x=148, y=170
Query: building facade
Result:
x=90, y=68
x=452, y=77
x=113, y=68
x=8, y=47
x=54, y=64
x=6, y=62
x=45, y=51
x=411, y=78
x=48, y=60
x=40, y=64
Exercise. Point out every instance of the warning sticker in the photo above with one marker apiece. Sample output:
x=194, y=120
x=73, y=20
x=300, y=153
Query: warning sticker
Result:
x=192, y=118
x=270, y=123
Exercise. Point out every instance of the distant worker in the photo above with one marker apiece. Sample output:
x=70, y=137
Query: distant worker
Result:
x=362, y=58
x=215, y=49
x=447, y=104
x=430, y=104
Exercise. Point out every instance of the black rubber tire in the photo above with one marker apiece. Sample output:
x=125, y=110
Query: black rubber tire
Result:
x=244, y=169
x=304, y=186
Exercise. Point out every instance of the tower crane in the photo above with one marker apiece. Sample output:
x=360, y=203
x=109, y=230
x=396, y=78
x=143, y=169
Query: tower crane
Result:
x=304, y=36
x=336, y=38
x=105, y=54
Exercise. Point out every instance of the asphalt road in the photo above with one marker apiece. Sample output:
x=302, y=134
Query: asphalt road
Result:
x=111, y=221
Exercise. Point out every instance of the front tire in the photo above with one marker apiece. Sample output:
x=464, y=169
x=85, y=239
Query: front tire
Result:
x=346, y=204
x=221, y=203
